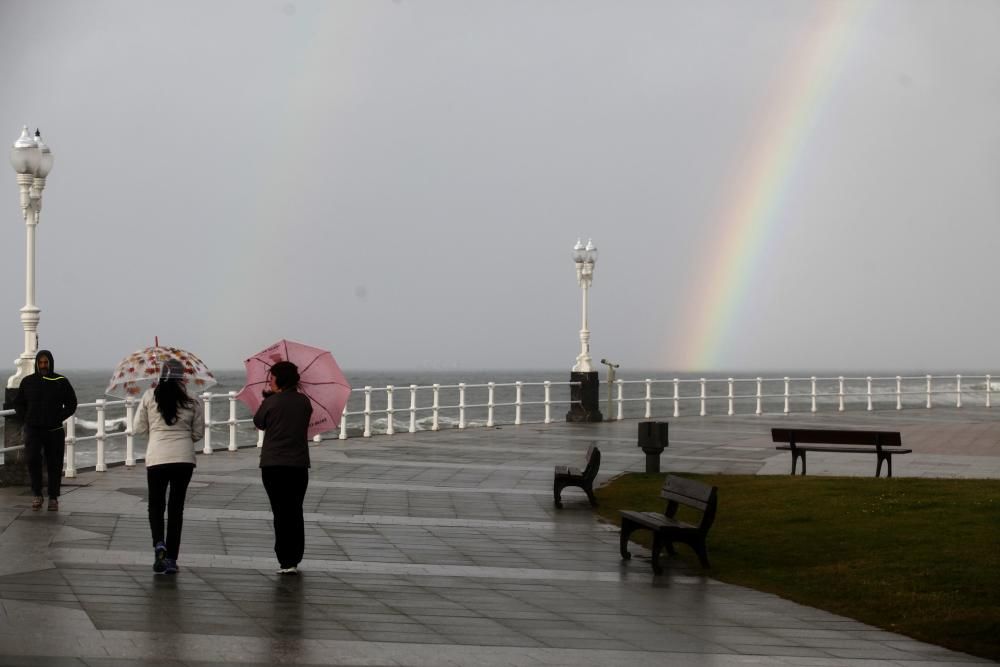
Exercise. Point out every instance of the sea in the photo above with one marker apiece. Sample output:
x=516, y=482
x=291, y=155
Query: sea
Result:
x=90, y=385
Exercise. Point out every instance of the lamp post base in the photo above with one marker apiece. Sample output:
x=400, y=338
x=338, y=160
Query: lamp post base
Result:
x=584, y=400
x=14, y=471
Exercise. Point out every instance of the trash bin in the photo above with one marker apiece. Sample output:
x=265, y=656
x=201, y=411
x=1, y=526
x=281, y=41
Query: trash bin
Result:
x=653, y=440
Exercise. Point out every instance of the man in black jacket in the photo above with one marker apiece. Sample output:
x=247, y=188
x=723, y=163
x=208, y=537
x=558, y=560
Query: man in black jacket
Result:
x=44, y=401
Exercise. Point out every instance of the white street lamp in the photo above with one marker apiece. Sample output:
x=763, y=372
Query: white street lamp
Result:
x=585, y=257
x=32, y=160
x=584, y=401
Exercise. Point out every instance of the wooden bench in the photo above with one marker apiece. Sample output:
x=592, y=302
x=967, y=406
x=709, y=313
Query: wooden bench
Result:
x=566, y=476
x=666, y=528
x=881, y=443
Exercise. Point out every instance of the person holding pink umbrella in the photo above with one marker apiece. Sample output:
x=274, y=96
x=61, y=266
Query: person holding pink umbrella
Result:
x=284, y=461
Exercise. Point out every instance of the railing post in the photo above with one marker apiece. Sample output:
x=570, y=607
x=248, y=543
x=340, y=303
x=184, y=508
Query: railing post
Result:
x=649, y=398
x=461, y=405
x=840, y=392
x=989, y=391
x=101, y=465
x=368, y=411
x=343, y=424
x=206, y=399
x=517, y=402
x=730, y=411
x=787, y=386
x=70, y=464
x=129, y=437
x=703, y=395
x=812, y=391
x=435, y=407
x=929, y=392
x=958, y=391
x=232, y=421
x=760, y=396
x=260, y=438
x=621, y=397
x=868, y=392
x=490, y=404
x=413, y=408
x=899, y=393
x=548, y=401
x=390, y=428
x=677, y=397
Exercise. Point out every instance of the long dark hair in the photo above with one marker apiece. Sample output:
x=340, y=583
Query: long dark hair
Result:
x=170, y=394
x=286, y=375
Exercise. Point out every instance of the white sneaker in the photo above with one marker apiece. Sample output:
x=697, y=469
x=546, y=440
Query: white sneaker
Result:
x=288, y=570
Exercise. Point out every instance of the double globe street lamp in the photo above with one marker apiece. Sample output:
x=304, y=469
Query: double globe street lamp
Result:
x=32, y=161
x=583, y=393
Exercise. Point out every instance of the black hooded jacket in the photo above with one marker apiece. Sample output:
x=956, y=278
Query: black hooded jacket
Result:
x=45, y=401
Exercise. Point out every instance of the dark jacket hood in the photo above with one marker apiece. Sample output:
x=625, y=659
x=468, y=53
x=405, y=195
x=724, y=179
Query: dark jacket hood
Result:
x=52, y=362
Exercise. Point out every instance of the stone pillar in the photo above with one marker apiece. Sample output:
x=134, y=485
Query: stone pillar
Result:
x=14, y=471
x=584, y=400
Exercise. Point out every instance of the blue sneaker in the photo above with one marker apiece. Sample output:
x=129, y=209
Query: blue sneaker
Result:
x=170, y=566
x=159, y=558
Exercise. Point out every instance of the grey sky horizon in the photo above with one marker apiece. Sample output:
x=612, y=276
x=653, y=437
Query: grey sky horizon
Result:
x=402, y=181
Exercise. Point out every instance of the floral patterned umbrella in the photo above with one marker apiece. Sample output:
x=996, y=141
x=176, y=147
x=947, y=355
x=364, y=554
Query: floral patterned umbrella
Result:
x=141, y=370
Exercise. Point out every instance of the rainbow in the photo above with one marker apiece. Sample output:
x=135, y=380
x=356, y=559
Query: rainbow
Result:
x=749, y=219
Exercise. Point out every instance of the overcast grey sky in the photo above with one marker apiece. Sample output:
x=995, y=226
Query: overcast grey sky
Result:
x=402, y=181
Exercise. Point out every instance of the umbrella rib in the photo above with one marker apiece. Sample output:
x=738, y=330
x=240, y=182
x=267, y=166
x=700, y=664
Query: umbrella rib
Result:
x=314, y=359
x=332, y=417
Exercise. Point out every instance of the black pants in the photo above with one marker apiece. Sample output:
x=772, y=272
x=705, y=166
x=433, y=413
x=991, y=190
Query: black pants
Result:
x=177, y=476
x=286, y=489
x=42, y=443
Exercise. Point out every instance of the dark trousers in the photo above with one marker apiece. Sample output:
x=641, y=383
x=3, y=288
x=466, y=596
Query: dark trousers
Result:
x=286, y=489
x=42, y=443
x=177, y=476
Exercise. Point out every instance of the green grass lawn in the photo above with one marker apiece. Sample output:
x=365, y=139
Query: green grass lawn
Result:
x=920, y=557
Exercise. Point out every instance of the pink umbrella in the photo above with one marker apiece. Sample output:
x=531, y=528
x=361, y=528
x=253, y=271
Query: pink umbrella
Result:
x=320, y=379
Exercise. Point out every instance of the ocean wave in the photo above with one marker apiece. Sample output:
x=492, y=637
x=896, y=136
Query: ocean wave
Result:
x=110, y=425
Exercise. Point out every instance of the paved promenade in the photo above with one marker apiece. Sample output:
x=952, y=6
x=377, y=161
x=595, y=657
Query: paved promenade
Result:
x=438, y=549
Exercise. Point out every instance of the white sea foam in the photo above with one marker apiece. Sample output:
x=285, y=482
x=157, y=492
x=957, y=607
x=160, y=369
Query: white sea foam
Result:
x=110, y=425
x=380, y=424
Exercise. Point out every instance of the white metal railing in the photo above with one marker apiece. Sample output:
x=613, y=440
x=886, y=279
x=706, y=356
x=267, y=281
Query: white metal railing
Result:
x=436, y=406
x=541, y=399
x=377, y=401
x=696, y=396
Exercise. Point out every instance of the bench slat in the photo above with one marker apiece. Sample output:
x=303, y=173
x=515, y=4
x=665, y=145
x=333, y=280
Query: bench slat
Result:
x=836, y=437
x=656, y=520
x=688, y=488
x=845, y=448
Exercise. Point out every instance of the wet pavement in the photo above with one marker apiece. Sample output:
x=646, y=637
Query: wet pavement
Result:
x=438, y=549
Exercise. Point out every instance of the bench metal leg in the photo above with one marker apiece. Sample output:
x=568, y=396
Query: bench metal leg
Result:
x=795, y=457
x=657, y=547
x=590, y=495
x=627, y=528
x=888, y=459
x=557, y=493
x=699, y=548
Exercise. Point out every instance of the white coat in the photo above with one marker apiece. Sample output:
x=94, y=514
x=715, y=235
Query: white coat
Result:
x=169, y=443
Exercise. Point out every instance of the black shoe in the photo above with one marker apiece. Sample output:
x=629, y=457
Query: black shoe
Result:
x=159, y=558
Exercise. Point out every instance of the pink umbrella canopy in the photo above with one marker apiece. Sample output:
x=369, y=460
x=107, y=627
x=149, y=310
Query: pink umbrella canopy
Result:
x=320, y=379
x=141, y=370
